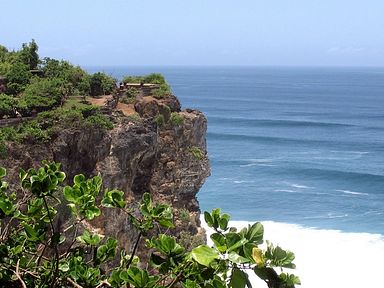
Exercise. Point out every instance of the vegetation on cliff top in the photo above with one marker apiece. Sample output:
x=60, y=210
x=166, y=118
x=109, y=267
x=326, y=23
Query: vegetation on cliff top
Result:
x=38, y=250
x=56, y=91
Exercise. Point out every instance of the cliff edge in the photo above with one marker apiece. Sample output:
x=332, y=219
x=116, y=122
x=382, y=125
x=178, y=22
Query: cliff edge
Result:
x=161, y=150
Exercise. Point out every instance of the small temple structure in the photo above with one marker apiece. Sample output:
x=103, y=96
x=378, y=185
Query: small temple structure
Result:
x=144, y=89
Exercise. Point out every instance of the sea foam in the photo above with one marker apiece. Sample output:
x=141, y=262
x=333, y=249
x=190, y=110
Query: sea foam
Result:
x=326, y=258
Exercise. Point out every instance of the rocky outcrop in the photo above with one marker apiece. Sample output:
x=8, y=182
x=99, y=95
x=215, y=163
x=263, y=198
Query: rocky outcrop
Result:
x=136, y=157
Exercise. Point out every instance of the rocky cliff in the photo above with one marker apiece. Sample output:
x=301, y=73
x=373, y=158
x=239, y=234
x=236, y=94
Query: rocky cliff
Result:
x=138, y=155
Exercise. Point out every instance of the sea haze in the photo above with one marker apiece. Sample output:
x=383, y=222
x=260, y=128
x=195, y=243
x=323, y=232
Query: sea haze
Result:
x=294, y=145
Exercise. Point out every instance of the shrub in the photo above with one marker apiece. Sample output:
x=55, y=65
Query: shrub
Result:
x=160, y=120
x=101, y=84
x=7, y=105
x=163, y=91
x=38, y=253
x=176, y=118
x=99, y=121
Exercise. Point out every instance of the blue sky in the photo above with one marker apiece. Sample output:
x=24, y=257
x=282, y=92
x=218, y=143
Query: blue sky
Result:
x=199, y=32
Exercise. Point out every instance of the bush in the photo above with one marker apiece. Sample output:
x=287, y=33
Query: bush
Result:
x=17, y=77
x=38, y=253
x=176, y=118
x=163, y=91
x=101, y=84
x=8, y=105
x=77, y=79
x=160, y=120
x=43, y=94
x=99, y=121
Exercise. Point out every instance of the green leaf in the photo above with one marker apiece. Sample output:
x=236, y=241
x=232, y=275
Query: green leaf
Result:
x=223, y=222
x=236, y=258
x=208, y=219
x=204, y=254
x=89, y=239
x=72, y=194
x=255, y=233
x=92, y=212
x=113, y=198
x=3, y=172
x=78, y=179
x=7, y=206
x=219, y=242
x=238, y=278
x=235, y=241
x=31, y=232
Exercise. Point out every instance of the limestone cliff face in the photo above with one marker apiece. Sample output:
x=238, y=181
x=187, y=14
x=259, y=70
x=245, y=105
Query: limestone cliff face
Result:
x=135, y=157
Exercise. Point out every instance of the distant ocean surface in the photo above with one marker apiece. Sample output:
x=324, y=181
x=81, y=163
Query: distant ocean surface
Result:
x=296, y=145
x=299, y=148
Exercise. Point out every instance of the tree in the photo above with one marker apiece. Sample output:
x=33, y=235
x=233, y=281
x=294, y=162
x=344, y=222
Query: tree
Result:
x=44, y=94
x=17, y=77
x=74, y=75
x=101, y=84
x=36, y=251
x=28, y=54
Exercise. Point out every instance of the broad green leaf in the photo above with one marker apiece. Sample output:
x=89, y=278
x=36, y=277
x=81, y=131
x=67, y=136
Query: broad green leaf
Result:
x=204, y=254
x=223, y=223
x=238, y=278
x=78, y=179
x=89, y=239
x=219, y=242
x=6, y=206
x=236, y=258
x=255, y=233
x=208, y=219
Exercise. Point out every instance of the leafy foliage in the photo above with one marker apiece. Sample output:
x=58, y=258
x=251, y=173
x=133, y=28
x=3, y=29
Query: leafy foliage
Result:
x=176, y=119
x=76, y=79
x=101, y=84
x=35, y=252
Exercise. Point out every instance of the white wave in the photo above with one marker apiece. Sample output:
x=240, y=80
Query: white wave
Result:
x=259, y=162
x=327, y=258
x=286, y=191
x=352, y=192
x=243, y=181
x=351, y=152
x=328, y=216
x=295, y=185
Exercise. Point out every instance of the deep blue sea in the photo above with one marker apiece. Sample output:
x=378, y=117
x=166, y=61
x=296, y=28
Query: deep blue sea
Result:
x=293, y=145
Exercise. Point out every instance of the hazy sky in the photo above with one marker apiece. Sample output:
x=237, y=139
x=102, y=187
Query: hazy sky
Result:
x=199, y=32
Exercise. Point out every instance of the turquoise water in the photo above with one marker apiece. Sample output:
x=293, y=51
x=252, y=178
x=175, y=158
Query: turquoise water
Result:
x=295, y=145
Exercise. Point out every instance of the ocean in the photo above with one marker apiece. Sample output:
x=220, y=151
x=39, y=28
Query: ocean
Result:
x=300, y=149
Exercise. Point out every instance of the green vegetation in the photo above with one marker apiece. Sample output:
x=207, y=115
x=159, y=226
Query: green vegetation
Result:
x=176, y=119
x=160, y=120
x=196, y=152
x=39, y=250
x=48, y=123
x=101, y=84
x=47, y=88
x=154, y=78
x=44, y=84
x=130, y=96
